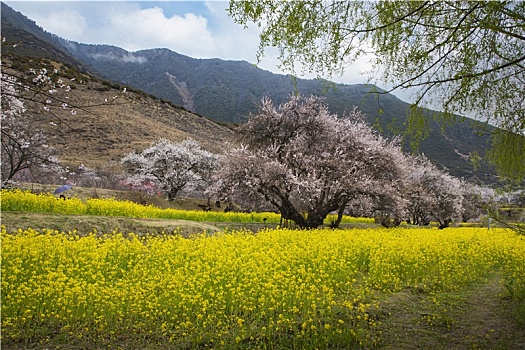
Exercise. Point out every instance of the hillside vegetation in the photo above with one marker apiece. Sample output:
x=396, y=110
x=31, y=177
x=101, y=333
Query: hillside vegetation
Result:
x=106, y=129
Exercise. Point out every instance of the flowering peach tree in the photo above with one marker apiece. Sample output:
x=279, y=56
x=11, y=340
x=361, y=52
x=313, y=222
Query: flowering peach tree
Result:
x=433, y=195
x=173, y=166
x=24, y=145
x=306, y=163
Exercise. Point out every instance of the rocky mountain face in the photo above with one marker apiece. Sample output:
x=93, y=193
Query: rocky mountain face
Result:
x=228, y=91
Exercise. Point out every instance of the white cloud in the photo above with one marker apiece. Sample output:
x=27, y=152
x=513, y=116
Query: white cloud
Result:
x=129, y=57
x=70, y=24
x=234, y=42
x=130, y=25
x=239, y=43
x=150, y=28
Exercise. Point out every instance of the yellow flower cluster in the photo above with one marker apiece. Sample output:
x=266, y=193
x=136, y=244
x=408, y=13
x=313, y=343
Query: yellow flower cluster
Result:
x=26, y=201
x=276, y=289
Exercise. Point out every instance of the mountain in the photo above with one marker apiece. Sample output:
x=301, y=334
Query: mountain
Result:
x=33, y=41
x=100, y=133
x=227, y=92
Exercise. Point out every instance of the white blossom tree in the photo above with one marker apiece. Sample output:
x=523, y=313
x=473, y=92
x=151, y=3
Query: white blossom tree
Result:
x=433, y=195
x=306, y=163
x=173, y=166
x=24, y=145
x=472, y=204
x=32, y=98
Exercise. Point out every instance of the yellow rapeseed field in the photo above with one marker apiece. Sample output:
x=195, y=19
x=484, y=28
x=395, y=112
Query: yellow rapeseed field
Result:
x=274, y=289
x=25, y=201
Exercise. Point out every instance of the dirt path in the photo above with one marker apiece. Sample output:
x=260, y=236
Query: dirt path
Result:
x=478, y=318
x=488, y=321
x=103, y=224
x=106, y=224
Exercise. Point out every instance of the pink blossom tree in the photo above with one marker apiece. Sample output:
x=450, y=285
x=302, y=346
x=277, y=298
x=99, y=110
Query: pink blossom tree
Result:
x=173, y=166
x=433, y=195
x=306, y=163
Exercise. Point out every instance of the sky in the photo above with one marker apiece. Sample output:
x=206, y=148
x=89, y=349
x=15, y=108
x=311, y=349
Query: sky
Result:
x=199, y=29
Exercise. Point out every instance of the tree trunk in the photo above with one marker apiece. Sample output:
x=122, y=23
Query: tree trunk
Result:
x=289, y=212
x=340, y=213
x=314, y=220
x=172, y=194
x=444, y=224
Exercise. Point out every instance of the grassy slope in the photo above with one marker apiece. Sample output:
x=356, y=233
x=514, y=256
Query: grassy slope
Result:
x=101, y=133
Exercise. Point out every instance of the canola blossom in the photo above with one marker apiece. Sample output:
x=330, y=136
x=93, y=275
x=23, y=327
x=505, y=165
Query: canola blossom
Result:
x=275, y=289
x=26, y=201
